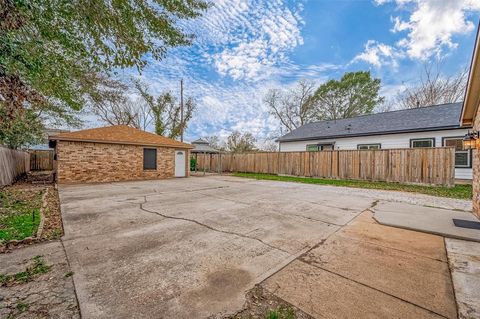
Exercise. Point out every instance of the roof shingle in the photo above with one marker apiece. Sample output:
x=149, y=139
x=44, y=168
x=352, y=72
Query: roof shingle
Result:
x=119, y=134
x=430, y=118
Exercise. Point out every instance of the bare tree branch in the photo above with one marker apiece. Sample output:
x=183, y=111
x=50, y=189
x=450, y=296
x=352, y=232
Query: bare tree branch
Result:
x=434, y=88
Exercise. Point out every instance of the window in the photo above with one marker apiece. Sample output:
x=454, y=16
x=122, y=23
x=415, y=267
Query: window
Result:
x=326, y=147
x=149, y=158
x=369, y=146
x=319, y=147
x=462, y=157
x=422, y=142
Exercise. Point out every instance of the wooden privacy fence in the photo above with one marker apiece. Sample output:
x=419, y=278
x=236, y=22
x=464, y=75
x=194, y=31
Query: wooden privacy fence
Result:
x=12, y=164
x=433, y=166
x=41, y=160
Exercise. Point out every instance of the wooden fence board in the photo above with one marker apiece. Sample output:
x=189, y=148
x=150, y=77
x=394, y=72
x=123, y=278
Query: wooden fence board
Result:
x=412, y=165
x=12, y=164
x=41, y=160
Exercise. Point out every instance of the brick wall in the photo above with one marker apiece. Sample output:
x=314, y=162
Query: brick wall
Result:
x=476, y=171
x=82, y=162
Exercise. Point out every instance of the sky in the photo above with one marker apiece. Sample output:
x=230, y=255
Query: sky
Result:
x=243, y=48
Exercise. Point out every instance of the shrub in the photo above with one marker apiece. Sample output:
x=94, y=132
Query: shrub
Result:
x=193, y=163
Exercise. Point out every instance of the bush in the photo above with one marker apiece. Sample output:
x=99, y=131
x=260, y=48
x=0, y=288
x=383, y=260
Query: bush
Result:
x=193, y=164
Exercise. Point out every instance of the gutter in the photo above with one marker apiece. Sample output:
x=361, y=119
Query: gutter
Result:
x=181, y=146
x=373, y=133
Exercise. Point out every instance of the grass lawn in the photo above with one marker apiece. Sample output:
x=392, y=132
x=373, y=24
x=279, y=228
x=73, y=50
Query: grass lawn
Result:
x=459, y=191
x=19, y=212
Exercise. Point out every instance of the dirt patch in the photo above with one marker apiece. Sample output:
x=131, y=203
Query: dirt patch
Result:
x=263, y=304
x=52, y=228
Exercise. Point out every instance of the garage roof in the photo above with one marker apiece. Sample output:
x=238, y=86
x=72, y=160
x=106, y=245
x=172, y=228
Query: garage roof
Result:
x=119, y=134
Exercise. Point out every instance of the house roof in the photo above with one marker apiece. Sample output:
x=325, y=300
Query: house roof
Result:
x=202, y=146
x=200, y=141
x=119, y=134
x=472, y=93
x=429, y=118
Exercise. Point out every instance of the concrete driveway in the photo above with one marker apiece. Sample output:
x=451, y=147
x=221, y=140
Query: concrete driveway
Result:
x=193, y=248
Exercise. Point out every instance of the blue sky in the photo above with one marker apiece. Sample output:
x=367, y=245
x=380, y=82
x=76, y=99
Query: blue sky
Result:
x=243, y=48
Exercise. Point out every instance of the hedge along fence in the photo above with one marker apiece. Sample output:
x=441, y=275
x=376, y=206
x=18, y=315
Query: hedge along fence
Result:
x=432, y=166
x=12, y=164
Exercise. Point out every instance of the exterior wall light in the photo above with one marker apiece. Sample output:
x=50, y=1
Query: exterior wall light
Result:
x=471, y=140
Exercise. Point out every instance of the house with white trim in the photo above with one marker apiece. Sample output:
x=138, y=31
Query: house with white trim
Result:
x=430, y=126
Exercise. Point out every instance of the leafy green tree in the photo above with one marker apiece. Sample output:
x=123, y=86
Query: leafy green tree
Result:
x=356, y=93
x=241, y=143
x=57, y=55
x=165, y=111
x=23, y=130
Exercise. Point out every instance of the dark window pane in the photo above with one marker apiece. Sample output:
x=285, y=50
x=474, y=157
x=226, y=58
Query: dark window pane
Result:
x=461, y=158
x=422, y=143
x=457, y=143
x=149, y=158
x=368, y=146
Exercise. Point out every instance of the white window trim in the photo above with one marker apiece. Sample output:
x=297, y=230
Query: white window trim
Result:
x=370, y=145
x=468, y=152
x=430, y=139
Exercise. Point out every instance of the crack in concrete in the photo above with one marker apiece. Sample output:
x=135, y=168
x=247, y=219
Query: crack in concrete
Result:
x=210, y=227
x=376, y=289
x=282, y=212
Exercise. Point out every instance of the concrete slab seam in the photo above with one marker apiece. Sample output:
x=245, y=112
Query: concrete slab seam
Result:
x=209, y=227
x=376, y=289
x=450, y=271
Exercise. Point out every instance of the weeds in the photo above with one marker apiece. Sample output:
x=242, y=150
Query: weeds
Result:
x=22, y=306
x=38, y=267
x=282, y=312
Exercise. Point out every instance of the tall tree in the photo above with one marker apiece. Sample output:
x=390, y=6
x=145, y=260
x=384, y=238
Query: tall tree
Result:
x=293, y=107
x=165, y=110
x=54, y=55
x=356, y=93
x=215, y=142
x=241, y=142
x=23, y=129
x=434, y=88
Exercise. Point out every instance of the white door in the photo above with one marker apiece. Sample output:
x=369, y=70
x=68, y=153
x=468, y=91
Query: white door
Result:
x=179, y=163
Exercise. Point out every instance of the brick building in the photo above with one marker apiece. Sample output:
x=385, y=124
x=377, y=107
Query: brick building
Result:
x=117, y=153
x=471, y=116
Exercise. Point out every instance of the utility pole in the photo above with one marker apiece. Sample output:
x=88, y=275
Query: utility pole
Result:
x=181, y=109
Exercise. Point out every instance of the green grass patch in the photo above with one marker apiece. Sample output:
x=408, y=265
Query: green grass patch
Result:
x=21, y=306
x=36, y=268
x=19, y=213
x=458, y=191
x=282, y=312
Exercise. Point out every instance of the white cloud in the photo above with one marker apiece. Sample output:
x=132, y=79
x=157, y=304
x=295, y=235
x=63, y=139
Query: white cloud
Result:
x=429, y=30
x=378, y=54
x=240, y=51
x=250, y=37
